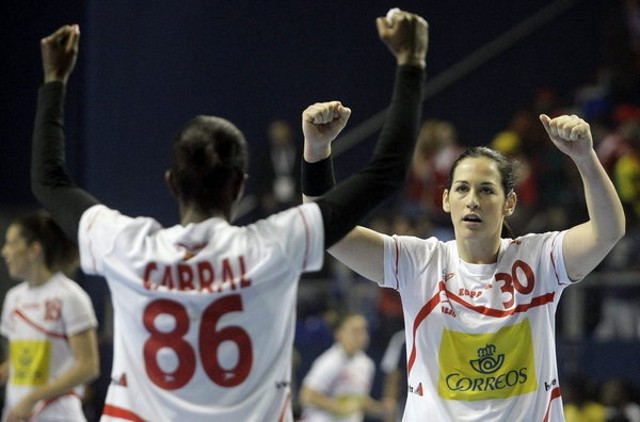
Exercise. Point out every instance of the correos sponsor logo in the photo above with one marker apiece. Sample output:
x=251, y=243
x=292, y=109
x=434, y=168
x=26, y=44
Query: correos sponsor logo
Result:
x=456, y=382
x=488, y=363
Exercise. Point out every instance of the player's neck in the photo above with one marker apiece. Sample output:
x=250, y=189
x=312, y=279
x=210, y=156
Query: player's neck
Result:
x=189, y=215
x=39, y=275
x=478, y=251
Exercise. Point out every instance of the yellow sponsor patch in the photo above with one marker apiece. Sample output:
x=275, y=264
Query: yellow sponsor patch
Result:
x=30, y=360
x=487, y=366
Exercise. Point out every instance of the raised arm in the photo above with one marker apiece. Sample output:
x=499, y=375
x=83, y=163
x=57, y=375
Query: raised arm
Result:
x=50, y=182
x=406, y=36
x=586, y=245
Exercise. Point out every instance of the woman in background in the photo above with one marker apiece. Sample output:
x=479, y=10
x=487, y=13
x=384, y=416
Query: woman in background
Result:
x=49, y=323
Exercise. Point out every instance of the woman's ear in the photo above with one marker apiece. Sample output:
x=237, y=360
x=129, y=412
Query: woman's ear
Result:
x=35, y=250
x=510, y=204
x=445, y=201
x=170, y=180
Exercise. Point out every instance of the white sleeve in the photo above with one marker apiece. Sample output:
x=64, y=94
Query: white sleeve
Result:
x=78, y=313
x=6, y=309
x=552, y=260
x=99, y=228
x=404, y=258
x=323, y=372
x=300, y=232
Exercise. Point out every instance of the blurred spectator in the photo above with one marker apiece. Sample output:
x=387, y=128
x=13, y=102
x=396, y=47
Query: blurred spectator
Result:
x=620, y=308
x=393, y=366
x=616, y=144
x=338, y=385
x=580, y=404
x=278, y=184
x=436, y=150
x=513, y=143
x=626, y=172
x=616, y=397
x=619, y=315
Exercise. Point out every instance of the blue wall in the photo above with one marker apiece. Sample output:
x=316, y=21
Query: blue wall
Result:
x=144, y=70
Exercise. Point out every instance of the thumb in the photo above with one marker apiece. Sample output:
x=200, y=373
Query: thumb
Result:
x=344, y=112
x=545, y=121
x=383, y=26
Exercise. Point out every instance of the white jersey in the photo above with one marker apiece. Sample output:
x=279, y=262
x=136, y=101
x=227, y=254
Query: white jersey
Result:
x=204, y=314
x=480, y=338
x=339, y=376
x=37, y=322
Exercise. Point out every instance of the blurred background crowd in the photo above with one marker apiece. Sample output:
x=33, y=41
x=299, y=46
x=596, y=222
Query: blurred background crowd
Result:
x=590, y=48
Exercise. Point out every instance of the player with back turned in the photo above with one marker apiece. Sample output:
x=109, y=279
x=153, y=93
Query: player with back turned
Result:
x=204, y=311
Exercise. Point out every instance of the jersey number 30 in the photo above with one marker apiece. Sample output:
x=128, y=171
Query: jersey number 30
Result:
x=210, y=339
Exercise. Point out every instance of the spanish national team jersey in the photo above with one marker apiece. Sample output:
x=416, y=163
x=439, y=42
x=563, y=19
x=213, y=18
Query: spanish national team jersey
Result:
x=204, y=314
x=342, y=377
x=38, y=321
x=491, y=328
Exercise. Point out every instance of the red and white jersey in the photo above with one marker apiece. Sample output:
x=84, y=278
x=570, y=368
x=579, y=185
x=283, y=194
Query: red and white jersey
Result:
x=204, y=314
x=480, y=338
x=37, y=322
x=339, y=376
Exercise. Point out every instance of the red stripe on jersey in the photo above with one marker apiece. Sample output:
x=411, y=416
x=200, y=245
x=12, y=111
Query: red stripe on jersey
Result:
x=395, y=240
x=553, y=264
x=38, y=327
x=285, y=408
x=118, y=412
x=47, y=402
x=555, y=393
x=431, y=304
x=424, y=312
x=497, y=313
x=306, y=238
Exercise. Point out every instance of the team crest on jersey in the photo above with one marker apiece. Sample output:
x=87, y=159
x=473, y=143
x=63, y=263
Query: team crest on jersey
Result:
x=487, y=366
x=488, y=360
x=52, y=310
x=190, y=250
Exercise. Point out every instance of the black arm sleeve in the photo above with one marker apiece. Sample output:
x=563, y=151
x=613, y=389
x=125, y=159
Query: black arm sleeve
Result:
x=351, y=200
x=50, y=182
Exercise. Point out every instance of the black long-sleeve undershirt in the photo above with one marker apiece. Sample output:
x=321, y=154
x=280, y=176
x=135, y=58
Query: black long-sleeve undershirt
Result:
x=342, y=208
x=351, y=200
x=50, y=181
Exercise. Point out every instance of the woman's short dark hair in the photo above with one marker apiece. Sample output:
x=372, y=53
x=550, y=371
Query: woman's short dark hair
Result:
x=209, y=156
x=60, y=253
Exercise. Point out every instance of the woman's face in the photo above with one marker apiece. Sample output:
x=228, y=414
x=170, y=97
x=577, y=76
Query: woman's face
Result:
x=354, y=334
x=476, y=199
x=16, y=253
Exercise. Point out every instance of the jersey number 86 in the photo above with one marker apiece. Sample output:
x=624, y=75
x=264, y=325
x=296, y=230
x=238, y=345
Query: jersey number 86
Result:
x=210, y=339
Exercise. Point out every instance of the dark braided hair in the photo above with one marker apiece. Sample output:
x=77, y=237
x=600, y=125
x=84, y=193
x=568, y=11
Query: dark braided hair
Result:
x=505, y=167
x=60, y=253
x=210, y=158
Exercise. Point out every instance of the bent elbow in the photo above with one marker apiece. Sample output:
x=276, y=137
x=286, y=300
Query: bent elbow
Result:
x=612, y=237
x=621, y=230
